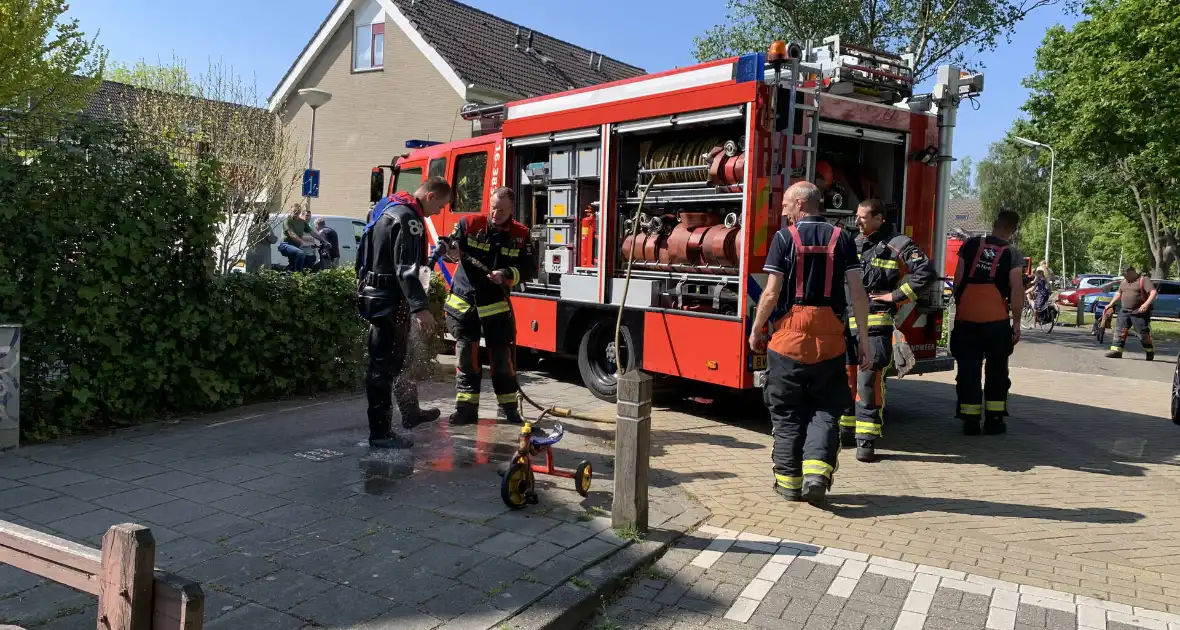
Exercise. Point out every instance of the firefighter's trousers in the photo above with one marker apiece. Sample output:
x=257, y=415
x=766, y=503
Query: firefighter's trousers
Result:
x=973, y=344
x=804, y=402
x=1142, y=325
x=870, y=385
x=851, y=370
x=499, y=335
x=388, y=377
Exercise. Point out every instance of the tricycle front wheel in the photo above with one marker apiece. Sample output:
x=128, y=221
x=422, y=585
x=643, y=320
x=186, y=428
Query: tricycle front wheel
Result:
x=517, y=484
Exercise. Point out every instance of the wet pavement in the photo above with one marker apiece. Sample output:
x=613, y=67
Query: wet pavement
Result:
x=289, y=521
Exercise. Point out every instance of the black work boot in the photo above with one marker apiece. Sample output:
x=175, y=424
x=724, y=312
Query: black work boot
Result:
x=392, y=441
x=970, y=424
x=847, y=438
x=1150, y=356
x=464, y=414
x=994, y=425
x=422, y=416
x=509, y=415
x=865, y=451
x=794, y=496
x=1114, y=354
x=815, y=489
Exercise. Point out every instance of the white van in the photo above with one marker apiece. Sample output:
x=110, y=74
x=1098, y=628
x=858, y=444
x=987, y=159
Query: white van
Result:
x=347, y=228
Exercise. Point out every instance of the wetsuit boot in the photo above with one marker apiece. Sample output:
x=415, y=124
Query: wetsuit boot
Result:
x=421, y=416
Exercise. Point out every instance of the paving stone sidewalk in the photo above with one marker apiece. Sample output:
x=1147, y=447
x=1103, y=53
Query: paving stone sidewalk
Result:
x=720, y=579
x=289, y=522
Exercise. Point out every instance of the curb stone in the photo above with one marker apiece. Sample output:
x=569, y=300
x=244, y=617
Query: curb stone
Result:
x=568, y=607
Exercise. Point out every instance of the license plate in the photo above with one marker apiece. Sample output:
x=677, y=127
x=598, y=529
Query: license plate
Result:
x=757, y=362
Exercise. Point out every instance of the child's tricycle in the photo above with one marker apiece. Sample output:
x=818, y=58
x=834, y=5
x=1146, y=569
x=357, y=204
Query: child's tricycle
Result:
x=519, y=485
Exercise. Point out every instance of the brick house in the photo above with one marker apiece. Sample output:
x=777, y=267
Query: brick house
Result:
x=401, y=69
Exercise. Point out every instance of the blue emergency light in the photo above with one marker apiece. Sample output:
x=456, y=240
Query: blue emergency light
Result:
x=420, y=144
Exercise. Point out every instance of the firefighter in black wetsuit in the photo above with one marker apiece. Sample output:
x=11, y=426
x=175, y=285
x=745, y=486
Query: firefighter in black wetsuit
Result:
x=392, y=254
x=805, y=389
x=479, y=303
x=988, y=302
x=886, y=258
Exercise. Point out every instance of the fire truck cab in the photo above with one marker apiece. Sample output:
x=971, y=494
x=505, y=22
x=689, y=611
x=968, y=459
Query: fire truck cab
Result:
x=665, y=191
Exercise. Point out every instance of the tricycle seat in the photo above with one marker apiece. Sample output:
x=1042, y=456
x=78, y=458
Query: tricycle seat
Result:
x=541, y=437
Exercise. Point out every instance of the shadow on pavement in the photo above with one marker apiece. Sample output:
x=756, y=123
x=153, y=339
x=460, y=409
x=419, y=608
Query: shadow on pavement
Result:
x=872, y=506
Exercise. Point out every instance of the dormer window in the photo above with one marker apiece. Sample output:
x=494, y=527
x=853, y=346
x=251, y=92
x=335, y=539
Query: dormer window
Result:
x=368, y=47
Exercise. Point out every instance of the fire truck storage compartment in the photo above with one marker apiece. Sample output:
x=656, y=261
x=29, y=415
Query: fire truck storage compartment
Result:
x=558, y=188
x=864, y=163
x=685, y=245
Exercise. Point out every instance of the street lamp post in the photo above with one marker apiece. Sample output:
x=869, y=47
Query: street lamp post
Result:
x=1052, y=164
x=315, y=98
x=1062, y=224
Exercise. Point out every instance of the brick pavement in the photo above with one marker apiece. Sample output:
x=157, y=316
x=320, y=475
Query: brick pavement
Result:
x=288, y=521
x=721, y=579
x=1080, y=496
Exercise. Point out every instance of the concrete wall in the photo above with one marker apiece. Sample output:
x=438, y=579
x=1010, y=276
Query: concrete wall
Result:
x=370, y=116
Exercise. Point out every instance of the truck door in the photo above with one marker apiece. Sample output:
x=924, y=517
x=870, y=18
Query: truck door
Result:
x=470, y=171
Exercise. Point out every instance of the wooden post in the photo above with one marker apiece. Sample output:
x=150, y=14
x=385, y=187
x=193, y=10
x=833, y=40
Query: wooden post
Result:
x=179, y=603
x=127, y=582
x=632, y=451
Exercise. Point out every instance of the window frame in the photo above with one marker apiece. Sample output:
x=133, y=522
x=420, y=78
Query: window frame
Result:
x=483, y=188
x=375, y=33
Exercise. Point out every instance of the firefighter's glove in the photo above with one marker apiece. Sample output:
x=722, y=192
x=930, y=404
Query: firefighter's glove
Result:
x=903, y=356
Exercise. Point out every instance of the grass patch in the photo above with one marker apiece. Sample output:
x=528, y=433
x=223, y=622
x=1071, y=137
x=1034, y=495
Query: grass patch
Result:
x=497, y=589
x=652, y=572
x=528, y=577
x=579, y=582
x=1164, y=329
x=630, y=533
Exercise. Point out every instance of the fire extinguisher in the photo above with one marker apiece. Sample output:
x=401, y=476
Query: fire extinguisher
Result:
x=587, y=253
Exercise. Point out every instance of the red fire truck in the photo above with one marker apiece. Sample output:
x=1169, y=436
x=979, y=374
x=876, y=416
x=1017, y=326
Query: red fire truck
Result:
x=713, y=146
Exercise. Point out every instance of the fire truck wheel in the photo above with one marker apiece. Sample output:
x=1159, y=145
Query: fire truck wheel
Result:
x=596, y=358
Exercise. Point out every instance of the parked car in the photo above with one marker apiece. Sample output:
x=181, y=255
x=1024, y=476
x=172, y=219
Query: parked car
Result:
x=1089, y=280
x=1167, y=303
x=1088, y=285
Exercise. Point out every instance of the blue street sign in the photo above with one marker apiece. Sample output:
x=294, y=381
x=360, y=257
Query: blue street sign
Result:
x=311, y=182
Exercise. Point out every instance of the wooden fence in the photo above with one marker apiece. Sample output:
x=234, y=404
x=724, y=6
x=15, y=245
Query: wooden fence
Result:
x=132, y=595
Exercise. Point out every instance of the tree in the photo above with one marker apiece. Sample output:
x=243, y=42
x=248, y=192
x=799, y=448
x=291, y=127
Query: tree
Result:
x=47, y=66
x=218, y=112
x=1104, y=95
x=936, y=31
x=1013, y=178
x=962, y=180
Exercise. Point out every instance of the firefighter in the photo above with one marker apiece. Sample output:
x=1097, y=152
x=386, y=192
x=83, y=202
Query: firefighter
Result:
x=805, y=389
x=479, y=301
x=886, y=258
x=987, y=294
x=1137, y=294
x=390, y=293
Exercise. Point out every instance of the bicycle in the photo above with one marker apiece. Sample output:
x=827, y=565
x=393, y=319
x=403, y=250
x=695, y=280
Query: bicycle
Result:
x=1046, y=319
x=1102, y=321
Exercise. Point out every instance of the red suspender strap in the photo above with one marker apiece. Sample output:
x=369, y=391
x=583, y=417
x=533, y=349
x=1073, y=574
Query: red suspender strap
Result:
x=975, y=263
x=831, y=262
x=799, y=251
x=1000, y=251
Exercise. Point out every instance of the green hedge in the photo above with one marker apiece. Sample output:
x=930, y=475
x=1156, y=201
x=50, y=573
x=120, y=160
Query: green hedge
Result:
x=106, y=261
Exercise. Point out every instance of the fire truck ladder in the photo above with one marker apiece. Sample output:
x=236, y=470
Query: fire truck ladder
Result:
x=861, y=72
x=796, y=86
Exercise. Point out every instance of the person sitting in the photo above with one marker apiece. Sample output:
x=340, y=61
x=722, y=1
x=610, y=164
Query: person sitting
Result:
x=297, y=236
x=1039, y=292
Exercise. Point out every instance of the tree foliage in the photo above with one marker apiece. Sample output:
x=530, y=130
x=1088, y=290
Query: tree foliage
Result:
x=1105, y=96
x=963, y=180
x=221, y=112
x=47, y=66
x=935, y=31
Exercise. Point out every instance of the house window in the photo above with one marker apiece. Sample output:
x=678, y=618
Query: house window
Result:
x=470, y=171
x=368, y=49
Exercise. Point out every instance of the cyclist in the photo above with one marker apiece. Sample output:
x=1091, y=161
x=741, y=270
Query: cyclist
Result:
x=1039, y=292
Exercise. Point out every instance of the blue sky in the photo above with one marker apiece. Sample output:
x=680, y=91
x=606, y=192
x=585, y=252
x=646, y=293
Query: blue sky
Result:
x=261, y=38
